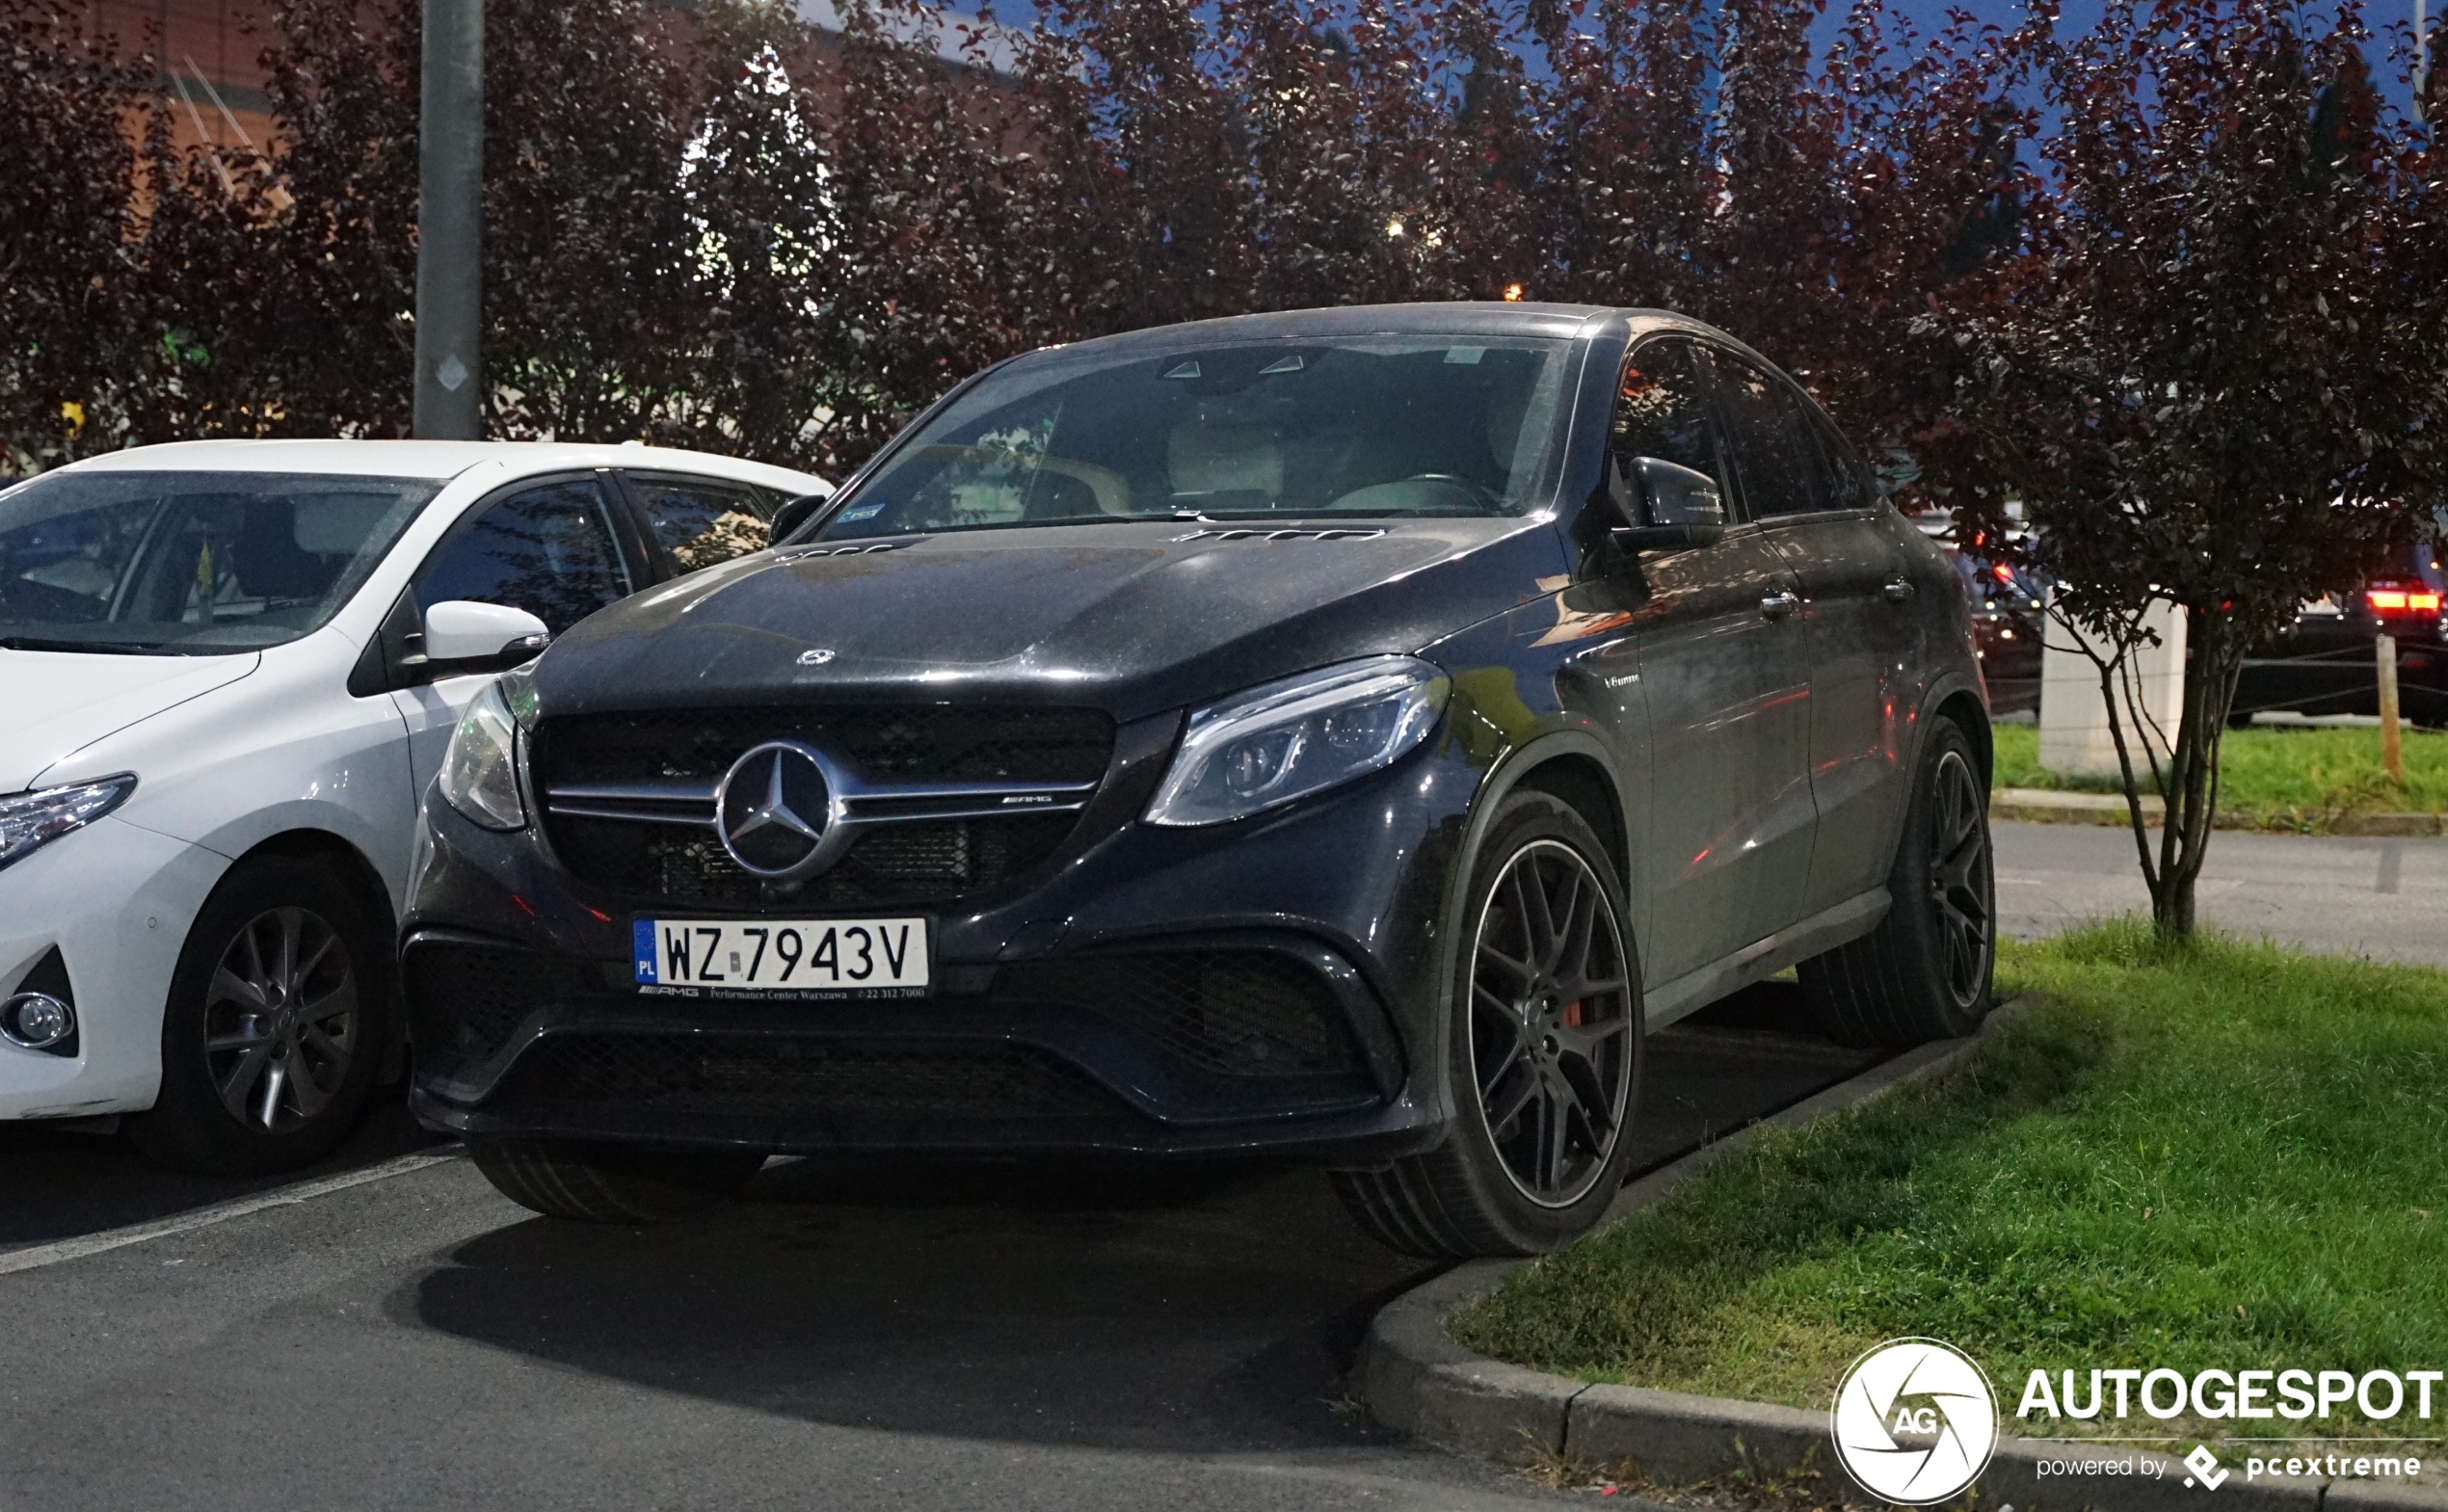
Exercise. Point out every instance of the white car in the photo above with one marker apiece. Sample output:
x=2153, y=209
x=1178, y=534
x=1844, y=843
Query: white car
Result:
x=227, y=671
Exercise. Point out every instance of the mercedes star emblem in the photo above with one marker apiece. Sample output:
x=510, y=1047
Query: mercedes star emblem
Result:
x=773, y=807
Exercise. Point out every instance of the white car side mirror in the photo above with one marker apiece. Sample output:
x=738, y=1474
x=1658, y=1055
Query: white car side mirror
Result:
x=461, y=629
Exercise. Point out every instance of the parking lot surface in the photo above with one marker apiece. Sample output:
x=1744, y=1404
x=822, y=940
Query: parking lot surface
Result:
x=862, y=1335
x=2384, y=898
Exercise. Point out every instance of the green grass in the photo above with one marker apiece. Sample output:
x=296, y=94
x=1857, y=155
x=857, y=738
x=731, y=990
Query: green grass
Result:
x=2217, y=1155
x=2275, y=779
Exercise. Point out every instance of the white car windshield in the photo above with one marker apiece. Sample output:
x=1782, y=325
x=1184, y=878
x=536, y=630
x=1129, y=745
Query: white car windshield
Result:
x=1375, y=426
x=188, y=563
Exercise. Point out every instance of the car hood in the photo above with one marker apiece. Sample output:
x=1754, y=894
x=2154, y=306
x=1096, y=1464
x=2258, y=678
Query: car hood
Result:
x=61, y=702
x=1133, y=618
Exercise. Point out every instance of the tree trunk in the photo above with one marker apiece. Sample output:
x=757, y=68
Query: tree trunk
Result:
x=2189, y=785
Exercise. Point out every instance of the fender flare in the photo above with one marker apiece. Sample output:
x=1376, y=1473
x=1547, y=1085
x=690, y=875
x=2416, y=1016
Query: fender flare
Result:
x=1944, y=689
x=1501, y=779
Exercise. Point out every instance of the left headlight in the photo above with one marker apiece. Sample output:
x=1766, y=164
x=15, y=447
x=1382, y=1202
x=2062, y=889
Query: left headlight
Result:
x=30, y=821
x=1298, y=736
x=480, y=770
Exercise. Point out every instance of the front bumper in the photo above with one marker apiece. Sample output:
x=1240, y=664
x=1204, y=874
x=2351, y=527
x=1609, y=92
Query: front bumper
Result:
x=1266, y=985
x=110, y=904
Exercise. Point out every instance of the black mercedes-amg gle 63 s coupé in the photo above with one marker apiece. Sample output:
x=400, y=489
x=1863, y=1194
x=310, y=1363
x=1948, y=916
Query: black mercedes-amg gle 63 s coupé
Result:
x=1337, y=736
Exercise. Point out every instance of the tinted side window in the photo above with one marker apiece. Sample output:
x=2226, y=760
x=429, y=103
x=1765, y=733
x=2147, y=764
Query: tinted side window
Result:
x=548, y=550
x=1661, y=411
x=1850, y=483
x=1777, y=449
x=701, y=521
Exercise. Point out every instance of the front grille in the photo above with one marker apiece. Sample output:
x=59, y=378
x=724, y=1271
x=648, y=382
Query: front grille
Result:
x=1237, y=1013
x=892, y=865
x=752, y=1076
x=912, y=863
x=467, y=998
x=881, y=743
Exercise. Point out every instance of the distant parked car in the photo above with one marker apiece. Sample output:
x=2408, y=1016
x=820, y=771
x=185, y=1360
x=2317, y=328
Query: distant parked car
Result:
x=2007, y=624
x=230, y=669
x=2324, y=663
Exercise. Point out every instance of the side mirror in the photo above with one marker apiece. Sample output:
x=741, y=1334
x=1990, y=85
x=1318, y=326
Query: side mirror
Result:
x=461, y=630
x=1663, y=505
x=795, y=512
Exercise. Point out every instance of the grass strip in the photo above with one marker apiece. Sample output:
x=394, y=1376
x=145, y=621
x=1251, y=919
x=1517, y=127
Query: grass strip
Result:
x=2275, y=779
x=2216, y=1155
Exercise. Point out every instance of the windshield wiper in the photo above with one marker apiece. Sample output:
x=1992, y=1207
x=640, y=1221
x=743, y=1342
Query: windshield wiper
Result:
x=38, y=643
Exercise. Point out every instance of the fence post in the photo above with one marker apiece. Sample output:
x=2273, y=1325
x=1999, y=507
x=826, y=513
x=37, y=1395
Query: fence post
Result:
x=2392, y=754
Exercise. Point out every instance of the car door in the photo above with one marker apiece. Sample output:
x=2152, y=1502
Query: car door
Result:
x=1817, y=509
x=1721, y=691
x=695, y=521
x=550, y=548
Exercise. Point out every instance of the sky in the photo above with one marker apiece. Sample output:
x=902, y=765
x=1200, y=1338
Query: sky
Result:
x=2077, y=16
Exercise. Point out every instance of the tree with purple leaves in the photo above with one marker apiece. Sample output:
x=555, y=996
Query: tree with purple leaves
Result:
x=2213, y=373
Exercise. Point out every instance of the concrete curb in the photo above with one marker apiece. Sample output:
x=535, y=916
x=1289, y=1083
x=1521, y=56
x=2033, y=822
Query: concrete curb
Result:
x=1419, y=1382
x=2045, y=806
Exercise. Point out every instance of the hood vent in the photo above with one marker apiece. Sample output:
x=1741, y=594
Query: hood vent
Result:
x=859, y=549
x=1281, y=534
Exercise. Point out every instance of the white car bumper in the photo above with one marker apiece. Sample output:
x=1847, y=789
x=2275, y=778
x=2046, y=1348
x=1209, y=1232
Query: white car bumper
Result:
x=117, y=901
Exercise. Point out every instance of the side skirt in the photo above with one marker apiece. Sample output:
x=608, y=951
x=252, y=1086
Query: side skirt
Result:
x=1825, y=930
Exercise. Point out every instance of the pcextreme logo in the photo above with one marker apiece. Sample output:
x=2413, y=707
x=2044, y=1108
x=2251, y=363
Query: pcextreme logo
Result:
x=1915, y=1421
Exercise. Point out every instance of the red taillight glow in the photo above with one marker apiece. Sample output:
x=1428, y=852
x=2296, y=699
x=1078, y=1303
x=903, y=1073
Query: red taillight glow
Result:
x=2398, y=600
x=2005, y=573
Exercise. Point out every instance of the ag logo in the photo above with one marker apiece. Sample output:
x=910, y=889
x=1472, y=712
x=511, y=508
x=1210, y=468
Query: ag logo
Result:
x=1915, y=1421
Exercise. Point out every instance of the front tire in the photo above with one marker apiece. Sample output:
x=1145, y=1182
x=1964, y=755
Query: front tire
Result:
x=612, y=1184
x=281, y=1010
x=1543, y=1058
x=1925, y=972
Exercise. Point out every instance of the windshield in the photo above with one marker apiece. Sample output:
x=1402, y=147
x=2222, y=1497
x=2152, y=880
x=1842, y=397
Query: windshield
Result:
x=188, y=563
x=1367, y=426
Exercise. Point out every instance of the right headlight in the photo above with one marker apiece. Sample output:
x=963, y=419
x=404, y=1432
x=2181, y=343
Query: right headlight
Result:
x=480, y=770
x=1289, y=740
x=32, y=820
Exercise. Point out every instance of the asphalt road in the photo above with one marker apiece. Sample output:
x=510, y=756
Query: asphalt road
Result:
x=2385, y=898
x=869, y=1336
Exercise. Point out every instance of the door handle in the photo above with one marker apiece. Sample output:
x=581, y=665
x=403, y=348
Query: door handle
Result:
x=1777, y=607
x=1899, y=589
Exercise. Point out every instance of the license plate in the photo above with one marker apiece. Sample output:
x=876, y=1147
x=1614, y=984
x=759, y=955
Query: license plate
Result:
x=804, y=958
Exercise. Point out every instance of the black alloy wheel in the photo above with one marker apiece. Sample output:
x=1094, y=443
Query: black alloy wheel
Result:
x=1544, y=1056
x=1962, y=881
x=1551, y=1046
x=1924, y=973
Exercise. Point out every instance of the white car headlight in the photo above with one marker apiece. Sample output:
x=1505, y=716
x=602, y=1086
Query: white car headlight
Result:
x=480, y=770
x=1296, y=737
x=30, y=821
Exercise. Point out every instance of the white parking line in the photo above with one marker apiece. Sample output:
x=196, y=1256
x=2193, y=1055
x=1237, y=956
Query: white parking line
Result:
x=41, y=1255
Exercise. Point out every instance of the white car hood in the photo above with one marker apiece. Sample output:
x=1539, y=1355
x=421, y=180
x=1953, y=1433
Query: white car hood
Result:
x=54, y=703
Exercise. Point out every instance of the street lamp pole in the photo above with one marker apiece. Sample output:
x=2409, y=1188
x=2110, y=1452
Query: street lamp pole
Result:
x=450, y=224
